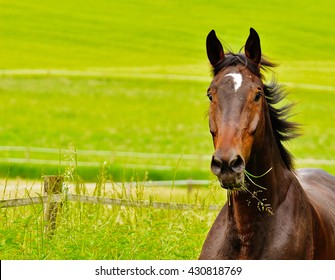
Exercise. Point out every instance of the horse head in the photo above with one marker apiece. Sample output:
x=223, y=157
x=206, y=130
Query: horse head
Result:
x=236, y=116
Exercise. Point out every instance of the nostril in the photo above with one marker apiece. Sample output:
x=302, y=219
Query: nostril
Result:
x=216, y=165
x=237, y=164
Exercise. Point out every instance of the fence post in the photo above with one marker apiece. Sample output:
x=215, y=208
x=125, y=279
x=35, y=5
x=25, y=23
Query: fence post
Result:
x=52, y=186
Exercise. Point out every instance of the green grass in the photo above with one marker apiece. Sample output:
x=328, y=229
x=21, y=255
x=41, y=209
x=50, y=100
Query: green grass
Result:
x=96, y=231
x=104, y=114
x=73, y=34
x=99, y=232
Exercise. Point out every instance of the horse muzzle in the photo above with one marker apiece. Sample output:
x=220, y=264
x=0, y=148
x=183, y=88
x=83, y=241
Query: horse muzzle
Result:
x=230, y=172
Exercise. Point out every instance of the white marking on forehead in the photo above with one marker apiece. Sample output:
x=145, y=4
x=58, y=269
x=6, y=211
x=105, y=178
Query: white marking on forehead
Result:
x=237, y=77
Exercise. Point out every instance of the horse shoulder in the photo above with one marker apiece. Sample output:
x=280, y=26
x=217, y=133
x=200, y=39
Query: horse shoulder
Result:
x=289, y=236
x=320, y=189
x=215, y=244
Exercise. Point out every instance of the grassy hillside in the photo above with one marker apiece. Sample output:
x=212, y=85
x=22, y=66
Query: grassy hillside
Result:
x=132, y=76
x=102, y=33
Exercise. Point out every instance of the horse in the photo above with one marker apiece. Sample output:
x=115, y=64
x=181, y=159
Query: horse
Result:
x=272, y=211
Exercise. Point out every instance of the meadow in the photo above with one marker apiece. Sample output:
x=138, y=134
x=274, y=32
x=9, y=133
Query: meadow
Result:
x=96, y=231
x=124, y=83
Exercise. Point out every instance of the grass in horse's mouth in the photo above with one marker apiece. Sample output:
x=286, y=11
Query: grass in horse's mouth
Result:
x=261, y=203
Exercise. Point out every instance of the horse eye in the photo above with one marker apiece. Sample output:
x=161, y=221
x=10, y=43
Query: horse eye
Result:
x=258, y=96
x=209, y=96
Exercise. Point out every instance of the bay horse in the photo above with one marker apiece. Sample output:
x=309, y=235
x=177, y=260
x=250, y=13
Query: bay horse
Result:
x=272, y=210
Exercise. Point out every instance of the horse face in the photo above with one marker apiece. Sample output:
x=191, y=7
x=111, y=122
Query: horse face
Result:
x=235, y=112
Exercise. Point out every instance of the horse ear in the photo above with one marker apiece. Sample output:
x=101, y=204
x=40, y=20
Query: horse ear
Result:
x=214, y=48
x=252, y=47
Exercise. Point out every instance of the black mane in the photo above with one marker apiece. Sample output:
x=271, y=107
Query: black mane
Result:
x=283, y=130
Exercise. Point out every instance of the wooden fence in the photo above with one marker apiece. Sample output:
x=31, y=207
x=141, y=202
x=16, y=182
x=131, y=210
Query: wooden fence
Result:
x=53, y=198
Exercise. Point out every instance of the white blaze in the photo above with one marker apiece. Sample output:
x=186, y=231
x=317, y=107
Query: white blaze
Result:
x=237, y=77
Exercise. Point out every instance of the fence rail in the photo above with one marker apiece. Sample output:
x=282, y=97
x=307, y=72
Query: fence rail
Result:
x=102, y=152
x=94, y=158
x=57, y=198
x=54, y=197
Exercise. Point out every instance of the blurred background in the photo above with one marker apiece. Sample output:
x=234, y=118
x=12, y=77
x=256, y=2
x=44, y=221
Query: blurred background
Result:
x=121, y=85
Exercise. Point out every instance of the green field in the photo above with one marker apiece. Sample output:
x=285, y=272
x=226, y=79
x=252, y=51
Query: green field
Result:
x=124, y=82
x=132, y=77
